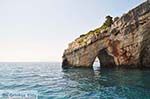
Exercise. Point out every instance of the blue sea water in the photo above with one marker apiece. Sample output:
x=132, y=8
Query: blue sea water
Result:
x=52, y=82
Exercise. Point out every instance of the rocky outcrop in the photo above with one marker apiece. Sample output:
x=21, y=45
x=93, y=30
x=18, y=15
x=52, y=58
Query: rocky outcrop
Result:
x=125, y=44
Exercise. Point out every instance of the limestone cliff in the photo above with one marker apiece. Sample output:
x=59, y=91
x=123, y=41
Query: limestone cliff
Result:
x=125, y=44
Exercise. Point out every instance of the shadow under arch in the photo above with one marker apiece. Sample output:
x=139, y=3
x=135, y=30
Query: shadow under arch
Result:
x=105, y=60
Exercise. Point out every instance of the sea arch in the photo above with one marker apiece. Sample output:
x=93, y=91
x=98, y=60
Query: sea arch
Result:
x=85, y=56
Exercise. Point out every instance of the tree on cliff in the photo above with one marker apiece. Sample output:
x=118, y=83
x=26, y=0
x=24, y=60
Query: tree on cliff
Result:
x=108, y=22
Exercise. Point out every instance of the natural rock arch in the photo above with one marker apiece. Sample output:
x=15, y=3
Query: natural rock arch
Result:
x=125, y=44
x=85, y=56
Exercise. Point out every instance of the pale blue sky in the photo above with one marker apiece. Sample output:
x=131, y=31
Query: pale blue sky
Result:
x=39, y=30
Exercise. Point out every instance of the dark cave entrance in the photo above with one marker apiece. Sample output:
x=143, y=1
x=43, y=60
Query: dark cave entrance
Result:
x=103, y=60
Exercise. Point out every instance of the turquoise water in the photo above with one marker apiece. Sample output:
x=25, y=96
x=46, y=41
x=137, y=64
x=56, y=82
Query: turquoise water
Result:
x=52, y=82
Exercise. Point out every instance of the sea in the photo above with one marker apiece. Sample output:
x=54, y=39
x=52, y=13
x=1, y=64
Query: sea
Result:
x=47, y=80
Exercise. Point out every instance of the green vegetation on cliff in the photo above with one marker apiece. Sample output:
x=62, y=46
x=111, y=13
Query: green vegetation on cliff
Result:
x=83, y=38
x=106, y=24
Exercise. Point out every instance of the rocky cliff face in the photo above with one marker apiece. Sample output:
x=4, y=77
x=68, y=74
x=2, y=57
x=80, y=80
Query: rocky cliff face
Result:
x=125, y=44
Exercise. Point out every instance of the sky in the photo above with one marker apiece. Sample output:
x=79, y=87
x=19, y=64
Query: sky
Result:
x=40, y=30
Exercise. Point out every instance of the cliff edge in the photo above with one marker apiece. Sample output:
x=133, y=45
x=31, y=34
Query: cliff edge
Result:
x=126, y=43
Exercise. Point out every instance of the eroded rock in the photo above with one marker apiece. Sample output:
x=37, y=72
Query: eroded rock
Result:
x=126, y=43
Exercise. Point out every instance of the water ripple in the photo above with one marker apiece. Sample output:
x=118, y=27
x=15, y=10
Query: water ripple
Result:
x=52, y=82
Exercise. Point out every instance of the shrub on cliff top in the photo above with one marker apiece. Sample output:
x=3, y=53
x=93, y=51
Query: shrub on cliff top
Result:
x=108, y=22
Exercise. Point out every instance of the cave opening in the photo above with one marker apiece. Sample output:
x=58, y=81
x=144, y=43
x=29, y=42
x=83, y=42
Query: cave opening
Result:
x=96, y=64
x=103, y=60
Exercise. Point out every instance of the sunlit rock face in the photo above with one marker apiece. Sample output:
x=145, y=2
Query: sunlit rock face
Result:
x=125, y=44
